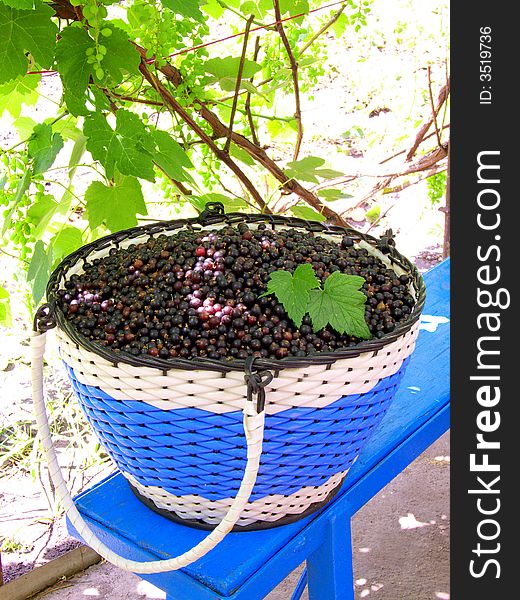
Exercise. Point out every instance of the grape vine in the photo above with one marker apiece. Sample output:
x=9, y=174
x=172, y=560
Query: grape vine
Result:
x=141, y=104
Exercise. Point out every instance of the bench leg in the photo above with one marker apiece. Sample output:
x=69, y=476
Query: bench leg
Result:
x=329, y=568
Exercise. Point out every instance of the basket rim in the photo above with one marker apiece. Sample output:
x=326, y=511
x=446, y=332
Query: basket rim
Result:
x=384, y=244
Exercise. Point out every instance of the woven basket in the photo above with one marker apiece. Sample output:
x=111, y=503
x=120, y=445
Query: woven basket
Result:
x=174, y=427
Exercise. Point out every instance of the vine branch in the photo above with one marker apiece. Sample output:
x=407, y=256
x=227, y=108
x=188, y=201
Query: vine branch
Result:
x=294, y=72
x=434, y=114
x=323, y=29
x=247, y=105
x=154, y=81
x=238, y=83
x=442, y=97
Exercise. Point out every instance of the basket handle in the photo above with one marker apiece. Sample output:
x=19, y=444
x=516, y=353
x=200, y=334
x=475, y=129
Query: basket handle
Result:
x=254, y=431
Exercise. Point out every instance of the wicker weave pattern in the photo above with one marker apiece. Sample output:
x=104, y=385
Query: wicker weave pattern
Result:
x=171, y=449
x=316, y=386
x=191, y=460
x=268, y=509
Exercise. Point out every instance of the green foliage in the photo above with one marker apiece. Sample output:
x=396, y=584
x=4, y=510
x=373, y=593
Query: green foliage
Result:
x=436, y=185
x=188, y=8
x=111, y=151
x=6, y=319
x=43, y=147
x=122, y=147
x=24, y=31
x=292, y=290
x=117, y=205
x=307, y=213
x=39, y=269
x=310, y=169
x=373, y=214
x=17, y=92
x=339, y=303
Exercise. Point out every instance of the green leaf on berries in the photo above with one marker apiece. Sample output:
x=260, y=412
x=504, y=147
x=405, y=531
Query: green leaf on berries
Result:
x=39, y=270
x=292, y=290
x=115, y=206
x=123, y=147
x=24, y=31
x=43, y=147
x=340, y=305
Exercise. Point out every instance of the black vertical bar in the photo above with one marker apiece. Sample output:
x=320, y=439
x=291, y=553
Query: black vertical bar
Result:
x=484, y=246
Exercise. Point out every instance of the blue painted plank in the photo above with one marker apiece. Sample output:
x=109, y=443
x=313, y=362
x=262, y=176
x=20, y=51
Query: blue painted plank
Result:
x=241, y=556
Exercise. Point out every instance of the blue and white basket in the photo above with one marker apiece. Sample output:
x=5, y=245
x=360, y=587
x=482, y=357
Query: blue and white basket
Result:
x=175, y=427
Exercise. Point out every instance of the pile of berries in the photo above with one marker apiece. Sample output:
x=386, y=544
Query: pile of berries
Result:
x=197, y=294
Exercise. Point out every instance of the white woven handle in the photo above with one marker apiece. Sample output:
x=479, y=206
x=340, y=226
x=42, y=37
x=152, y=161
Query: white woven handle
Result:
x=254, y=431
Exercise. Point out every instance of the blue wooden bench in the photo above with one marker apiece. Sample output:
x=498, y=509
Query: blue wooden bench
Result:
x=247, y=566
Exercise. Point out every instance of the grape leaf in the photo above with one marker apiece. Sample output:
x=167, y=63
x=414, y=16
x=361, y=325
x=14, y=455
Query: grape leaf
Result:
x=187, y=8
x=24, y=31
x=23, y=185
x=341, y=305
x=123, y=147
x=228, y=67
x=333, y=194
x=294, y=7
x=230, y=204
x=40, y=213
x=16, y=92
x=115, y=206
x=24, y=4
x=170, y=156
x=305, y=212
x=213, y=8
x=75, y=70
x=6, y=319
x=292, y=290
x=65, y=242
x=308, y=169
x=39, y=269
x=43, y=147
x=121, y=57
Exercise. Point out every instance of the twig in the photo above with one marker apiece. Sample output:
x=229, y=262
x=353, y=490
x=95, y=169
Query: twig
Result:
x=238, y=83
x=223, y=156
x=380, y=217
x=257, y=153
x=434, y=114
x=442, y=97
x=247, y=106
x=139, y=100
x=438, y=168
x=427, y=137
x=323, y=29
x=13, y=256
x=294, y=72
